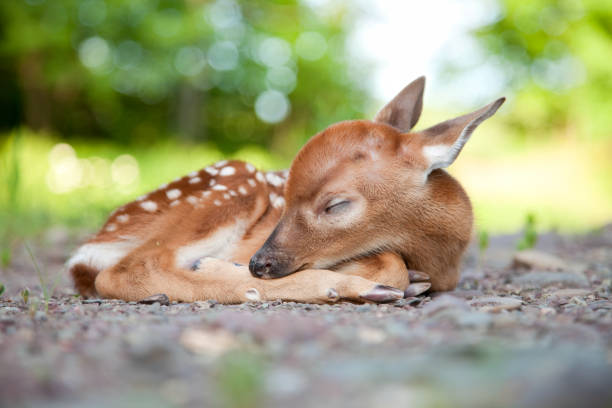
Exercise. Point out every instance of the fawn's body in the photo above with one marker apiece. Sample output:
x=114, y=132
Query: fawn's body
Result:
x=363, y=210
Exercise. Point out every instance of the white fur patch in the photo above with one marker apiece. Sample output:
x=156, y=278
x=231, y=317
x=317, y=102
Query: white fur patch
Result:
x=150, y=206
x=274, y=179
x=217, y=203
x=123, y=218
x=252, y=182
x=173, y=194
x=163, y=186
x=242, y=190
x=253, y=295
x=194, y=180
x=102, y=255
x=191, y=200
x=142, y=197
x=193, y=174
x=175, y=203
x=232, y=193
x=212, y=182
x=111, y=227
x=250, y=168
x=260, y=177
x=227, y=171
x=221, y=163
x=211, y=170
x=220, y=245
x=206, y=194
x=226, y=196
x=219, y=187
x=436, y=154
x=276, y=200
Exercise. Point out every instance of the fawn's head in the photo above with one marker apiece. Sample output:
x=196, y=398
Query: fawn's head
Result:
x=355, y=187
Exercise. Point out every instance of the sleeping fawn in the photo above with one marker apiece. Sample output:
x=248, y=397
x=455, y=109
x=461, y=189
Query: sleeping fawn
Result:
x=364, y=212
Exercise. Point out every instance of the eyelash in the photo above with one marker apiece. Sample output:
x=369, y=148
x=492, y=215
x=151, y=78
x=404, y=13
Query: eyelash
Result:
x=330, y=208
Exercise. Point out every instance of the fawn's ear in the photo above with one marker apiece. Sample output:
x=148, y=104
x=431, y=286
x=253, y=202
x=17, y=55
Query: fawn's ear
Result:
x=441, y=144
x=404, y=110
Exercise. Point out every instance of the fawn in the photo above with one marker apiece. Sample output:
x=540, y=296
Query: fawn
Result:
x=364, y=212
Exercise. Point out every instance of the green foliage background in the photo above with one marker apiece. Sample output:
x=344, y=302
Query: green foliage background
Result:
x=176, y=84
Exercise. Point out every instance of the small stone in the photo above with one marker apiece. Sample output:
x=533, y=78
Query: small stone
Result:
x=542, y=279
x=371, y=336
x=495, y=304
x=211, y=343
x=532, y=259
x=160, y=298
x=444, y=302
x=570, y=292
x=548, y=311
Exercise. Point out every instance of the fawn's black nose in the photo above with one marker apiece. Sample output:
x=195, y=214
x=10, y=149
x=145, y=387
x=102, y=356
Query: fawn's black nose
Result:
x=259, y=267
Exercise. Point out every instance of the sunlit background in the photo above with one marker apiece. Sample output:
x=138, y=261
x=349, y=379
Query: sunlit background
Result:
x=103, y=100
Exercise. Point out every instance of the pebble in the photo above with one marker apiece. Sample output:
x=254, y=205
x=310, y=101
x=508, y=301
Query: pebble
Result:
x=543, y=279
x=495, y=304
x=443, y=302
x=160, y=299
x=207, y=342
x=570, y=292
x=533, y=259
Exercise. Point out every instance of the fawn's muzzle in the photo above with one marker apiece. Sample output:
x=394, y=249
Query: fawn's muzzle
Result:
x=269, y=264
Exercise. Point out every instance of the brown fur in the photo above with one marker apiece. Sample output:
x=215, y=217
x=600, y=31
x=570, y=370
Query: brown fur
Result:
x=396, y=215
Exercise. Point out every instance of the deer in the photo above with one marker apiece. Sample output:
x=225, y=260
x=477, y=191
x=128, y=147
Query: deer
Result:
x=365, y=213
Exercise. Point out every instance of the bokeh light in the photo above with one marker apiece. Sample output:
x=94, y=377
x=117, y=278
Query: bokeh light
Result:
x=272, y=106
x=94, y=52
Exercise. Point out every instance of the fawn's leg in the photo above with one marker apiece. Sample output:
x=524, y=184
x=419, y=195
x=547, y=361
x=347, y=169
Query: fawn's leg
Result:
x=147, y=272
x=389, y=269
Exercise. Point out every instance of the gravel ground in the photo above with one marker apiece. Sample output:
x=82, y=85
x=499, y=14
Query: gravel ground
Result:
x=529, y=329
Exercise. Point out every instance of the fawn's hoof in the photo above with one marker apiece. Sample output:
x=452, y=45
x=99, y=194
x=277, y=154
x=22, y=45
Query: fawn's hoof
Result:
x=383, y=294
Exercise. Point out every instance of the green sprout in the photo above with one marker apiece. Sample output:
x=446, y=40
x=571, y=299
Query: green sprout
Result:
x=530, y=236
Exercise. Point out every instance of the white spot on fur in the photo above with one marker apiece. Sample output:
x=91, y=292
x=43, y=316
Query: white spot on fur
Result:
x=150, y=206
x=221, y=163
x=221, y=244
x=285, y=174
x=206, y=194
x=219, y=187
x=193, y=174
x=212, y=182
x=217, y=203
x=260, y=177
x=227, y=171
x=279, y=202
x=173, y=194
x=242, y=190
x=123, y=218
x=274, y=179
x=194, y=180
x=142, y=197
x=163, y=186
x=175, y=203
x=250, y=168
x=211, y=170
x=102, y=255
x=276, y=200
x=253, y=295
x=226, y=196
x=232, y=193
x=111, y=227
x=252, y=182
x=192, y=200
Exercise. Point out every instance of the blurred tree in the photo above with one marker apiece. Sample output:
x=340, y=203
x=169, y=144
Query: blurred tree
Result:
x=555, y=54
x=232, y=72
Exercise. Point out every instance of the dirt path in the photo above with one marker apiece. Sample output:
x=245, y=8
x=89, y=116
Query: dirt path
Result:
x=538, y=334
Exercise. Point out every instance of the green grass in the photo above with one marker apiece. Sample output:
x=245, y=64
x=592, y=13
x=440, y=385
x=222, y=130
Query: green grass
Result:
x=565, y=186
